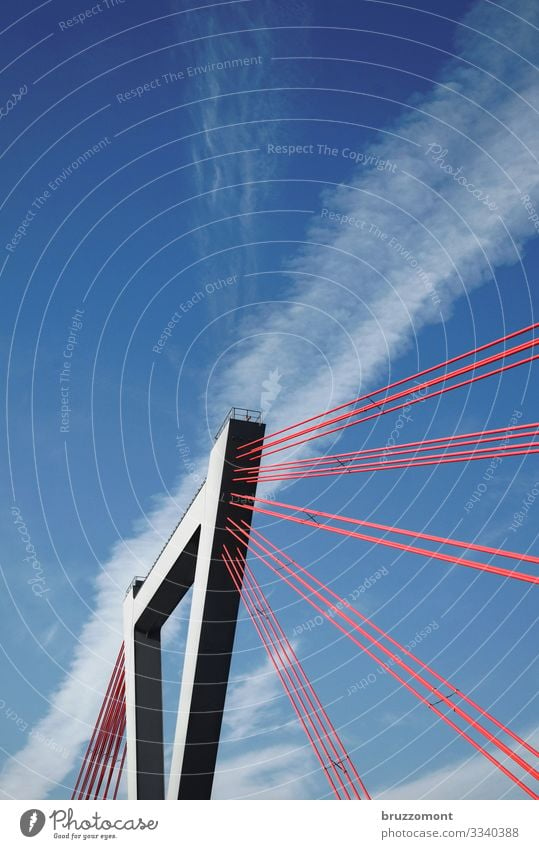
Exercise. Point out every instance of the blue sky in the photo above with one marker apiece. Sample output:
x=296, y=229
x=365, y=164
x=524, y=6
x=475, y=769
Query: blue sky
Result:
x=188, y=182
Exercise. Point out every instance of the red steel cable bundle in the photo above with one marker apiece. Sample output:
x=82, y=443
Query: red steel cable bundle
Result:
x=406, y=455
x=297, y=577
x=350, y=418
x=250, y=503
x=339, y=769
x=101, y=759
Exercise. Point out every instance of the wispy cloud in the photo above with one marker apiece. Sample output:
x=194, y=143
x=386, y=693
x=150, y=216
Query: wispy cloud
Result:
x=472, y=778
x=32, y=772
x=258, y=688
x=393, y=249
x=278, y=771
x=347, y=295
x=279, y=763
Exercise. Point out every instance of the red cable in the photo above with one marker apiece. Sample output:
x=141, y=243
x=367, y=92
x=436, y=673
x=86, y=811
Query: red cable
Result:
x=115, y=725
x=300, y=717
x=108, y=739
x=399, y=382
x=409, y=463
x=479, y=434
x=298, y=687
x=106, y=730
x=303, y=681
x=114, y=759
x=101, y=742
x=407, y=403
x=117, y=732
x=521, y=762
x=292, y=691
x=485, y=549
x=112, y=754
x=120, y=771
x=94, y=732
x=460, y=561
x=291, y=687
x=405, y=448
x=98, y=744
x=288, y=691
x=402, y=648
x=397, y=676
x=344, y=754
x=501, y=355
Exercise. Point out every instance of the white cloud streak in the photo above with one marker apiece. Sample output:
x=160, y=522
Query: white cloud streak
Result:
x=362, y=295
x=380, y=302
x=472, y=778
x=279, y=763
x=34, y=771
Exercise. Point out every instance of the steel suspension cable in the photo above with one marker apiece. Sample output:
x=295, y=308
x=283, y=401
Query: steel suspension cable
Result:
x=295, y=664
x=82, y=770
x=259, y=629
x=370, y=623
x=400, y=382
x=114, y=757
x=305, y=687
x=291, y=688
x=442, y=443
x=485, y=549
x=396, y=675
x=393, y=657
x=405, y=463
x=285, y=443
x=107, y=763
x=436, y=555
x=120, y=771
x=103, y=739
x=91, y=764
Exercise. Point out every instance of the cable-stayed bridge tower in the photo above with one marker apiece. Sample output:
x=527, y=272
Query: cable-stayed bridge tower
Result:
x=191, y=558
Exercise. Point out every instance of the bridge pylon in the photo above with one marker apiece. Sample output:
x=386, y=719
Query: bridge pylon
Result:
x=191, y=558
